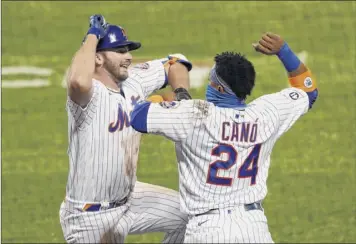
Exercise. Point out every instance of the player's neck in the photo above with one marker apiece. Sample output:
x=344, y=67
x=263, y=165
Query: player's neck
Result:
x=107, y=80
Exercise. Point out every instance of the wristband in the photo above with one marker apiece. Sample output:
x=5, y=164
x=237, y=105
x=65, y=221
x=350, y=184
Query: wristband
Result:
x=290, y=61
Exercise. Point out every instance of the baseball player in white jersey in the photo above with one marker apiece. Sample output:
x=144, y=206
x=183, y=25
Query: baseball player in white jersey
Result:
x=104, y=202
x=223, y=145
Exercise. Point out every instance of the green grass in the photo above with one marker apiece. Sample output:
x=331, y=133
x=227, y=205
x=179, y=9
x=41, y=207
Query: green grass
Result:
x=311, y=183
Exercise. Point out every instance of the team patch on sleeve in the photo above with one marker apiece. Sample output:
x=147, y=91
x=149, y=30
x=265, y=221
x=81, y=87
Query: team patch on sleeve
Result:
x=294, y=95
x=166, y=104
x=141, y=66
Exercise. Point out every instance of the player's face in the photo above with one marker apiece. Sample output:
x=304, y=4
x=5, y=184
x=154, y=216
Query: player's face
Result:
x=117, y=62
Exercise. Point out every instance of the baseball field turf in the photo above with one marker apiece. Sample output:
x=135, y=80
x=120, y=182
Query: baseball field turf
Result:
x=312, y=176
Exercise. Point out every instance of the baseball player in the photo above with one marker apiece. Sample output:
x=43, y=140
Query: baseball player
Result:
x=223, y=145
x=104, y=202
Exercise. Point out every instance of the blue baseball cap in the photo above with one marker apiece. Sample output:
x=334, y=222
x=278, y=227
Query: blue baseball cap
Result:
x=116, y=37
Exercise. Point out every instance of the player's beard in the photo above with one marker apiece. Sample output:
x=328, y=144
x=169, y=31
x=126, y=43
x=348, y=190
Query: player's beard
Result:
x=115, y=70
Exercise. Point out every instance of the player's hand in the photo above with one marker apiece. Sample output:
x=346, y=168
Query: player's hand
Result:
x=181, y=94
x=269, y=44
x=97, y=25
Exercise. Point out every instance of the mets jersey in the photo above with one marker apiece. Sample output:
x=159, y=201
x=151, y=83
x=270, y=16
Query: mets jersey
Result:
x=223, y=154
x=103, y=148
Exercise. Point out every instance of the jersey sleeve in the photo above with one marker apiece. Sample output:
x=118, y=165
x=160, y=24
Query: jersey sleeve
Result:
x=176, y=120
x=148, y=77
x=83, y=116
x=284, y=108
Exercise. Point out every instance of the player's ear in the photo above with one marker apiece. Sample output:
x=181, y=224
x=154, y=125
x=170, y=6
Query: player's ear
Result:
x=99, y=59
x=221, y=89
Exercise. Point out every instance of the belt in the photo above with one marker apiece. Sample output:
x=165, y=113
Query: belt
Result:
x=248, y=207
x=103, y=206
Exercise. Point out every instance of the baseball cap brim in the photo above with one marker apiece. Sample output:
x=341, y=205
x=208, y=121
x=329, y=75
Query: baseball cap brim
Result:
x=134, y=45
x=130, y=44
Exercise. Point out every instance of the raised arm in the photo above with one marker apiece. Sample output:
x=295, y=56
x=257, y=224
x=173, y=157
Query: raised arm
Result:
x=80, y=74
x=177, y=67
x=298, y=73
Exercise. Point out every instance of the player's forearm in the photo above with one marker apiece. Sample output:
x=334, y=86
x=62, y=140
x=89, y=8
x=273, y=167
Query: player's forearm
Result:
x=83, y=65
x=178, y=76
x=299, y=74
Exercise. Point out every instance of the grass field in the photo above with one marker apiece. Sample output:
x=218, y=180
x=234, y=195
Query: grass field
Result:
x=312, y=177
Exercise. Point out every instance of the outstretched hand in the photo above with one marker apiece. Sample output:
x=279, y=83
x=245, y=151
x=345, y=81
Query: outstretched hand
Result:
x=269, y=44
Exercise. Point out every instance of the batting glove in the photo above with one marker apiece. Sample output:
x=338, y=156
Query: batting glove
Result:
x=182, y=94
x=181, y=59
x=97, y=26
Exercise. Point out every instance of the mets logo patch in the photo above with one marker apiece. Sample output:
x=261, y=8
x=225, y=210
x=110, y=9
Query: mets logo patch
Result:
x=308, y=82
x=166, y=104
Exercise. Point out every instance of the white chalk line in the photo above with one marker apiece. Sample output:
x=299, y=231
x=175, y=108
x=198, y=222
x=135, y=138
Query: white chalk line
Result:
x=29, y=70
x=25, y=83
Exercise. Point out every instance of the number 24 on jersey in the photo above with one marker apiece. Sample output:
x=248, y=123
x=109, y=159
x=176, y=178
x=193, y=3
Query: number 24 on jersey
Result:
x=245, y=170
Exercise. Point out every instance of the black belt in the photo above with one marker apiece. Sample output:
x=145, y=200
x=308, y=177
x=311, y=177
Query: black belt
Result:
x=101, y=206
x=248, y=207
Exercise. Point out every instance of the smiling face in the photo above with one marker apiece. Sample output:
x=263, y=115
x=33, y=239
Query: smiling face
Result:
x=115, y=62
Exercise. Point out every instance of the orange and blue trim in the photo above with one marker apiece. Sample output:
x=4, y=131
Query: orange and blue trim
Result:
x=91, y=207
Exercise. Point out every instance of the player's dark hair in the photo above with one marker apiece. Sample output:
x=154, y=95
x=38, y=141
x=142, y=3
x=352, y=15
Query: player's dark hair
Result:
x=237, y=72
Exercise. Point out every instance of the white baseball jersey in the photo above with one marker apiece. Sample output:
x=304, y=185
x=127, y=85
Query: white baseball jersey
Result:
x=224, y=153
x=103, y=147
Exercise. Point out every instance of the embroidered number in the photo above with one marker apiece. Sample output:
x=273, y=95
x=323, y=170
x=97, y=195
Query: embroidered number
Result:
x=220, y=164
x=249, y=168
x=246, y=170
